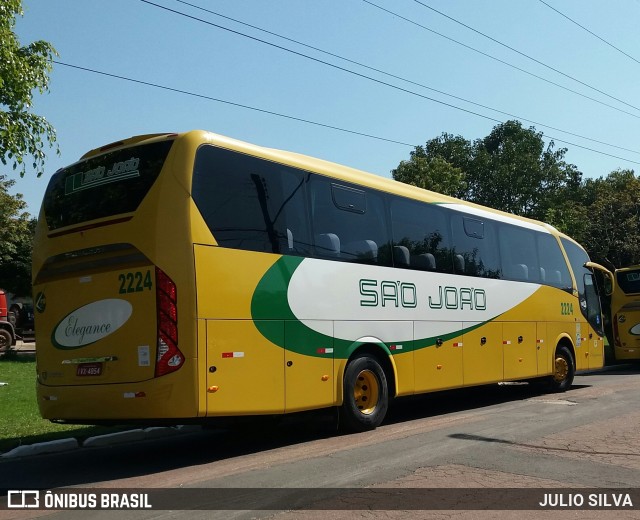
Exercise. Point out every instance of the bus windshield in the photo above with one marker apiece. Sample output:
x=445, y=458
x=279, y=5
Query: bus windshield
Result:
x=108, y=184
x=629, y=281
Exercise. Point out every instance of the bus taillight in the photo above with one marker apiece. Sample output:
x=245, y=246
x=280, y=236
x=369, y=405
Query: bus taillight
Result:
x=169, y=357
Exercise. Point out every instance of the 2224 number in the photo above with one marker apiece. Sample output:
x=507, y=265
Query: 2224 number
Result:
x=134, y=282
x=566, y=309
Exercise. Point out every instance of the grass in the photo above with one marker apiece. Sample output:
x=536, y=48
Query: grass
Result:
x=20, y=421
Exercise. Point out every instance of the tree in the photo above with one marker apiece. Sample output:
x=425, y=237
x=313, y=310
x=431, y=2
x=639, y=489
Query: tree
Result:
x=511, y=169
x=515, y=172
x=22, y=70
x=16, y=234
x=613, y=207
x=438, y=166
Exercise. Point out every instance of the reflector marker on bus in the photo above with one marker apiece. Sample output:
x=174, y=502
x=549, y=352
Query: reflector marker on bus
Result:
x=396, y=347
x=133, y=395
x=458, y=344
x=325, y=351
x=539, y=341
x=506, y=342
x=232, y=354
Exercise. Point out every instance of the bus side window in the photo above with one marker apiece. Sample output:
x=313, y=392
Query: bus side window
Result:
x=475, y=246
x=518, y=250
x=421, y=238
x=249, y=203
x=553, y=267
x=349, y=223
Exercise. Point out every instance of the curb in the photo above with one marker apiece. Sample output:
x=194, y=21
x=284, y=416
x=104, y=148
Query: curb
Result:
x=99, y=441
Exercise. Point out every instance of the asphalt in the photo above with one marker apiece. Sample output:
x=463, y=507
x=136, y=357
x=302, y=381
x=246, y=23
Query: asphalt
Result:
x=28, y=348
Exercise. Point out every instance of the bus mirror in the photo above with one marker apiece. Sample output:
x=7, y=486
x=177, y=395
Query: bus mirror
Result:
x=606, y=274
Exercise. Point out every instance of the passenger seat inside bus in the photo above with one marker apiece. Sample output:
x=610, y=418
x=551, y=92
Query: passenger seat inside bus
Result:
x=328, y=244
x=366, y=250
x=522, y=272
x=401, y=256
x=424, y=262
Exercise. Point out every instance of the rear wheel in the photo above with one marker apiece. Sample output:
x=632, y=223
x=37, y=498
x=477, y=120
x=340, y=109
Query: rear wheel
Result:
x=366, y=395
x=564, y=370
x=5, y=340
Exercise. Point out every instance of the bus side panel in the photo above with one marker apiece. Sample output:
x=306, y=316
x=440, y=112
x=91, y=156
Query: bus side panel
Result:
x=543, y=347
x=482, y=353
x=519, y=345
x=226, y=280
x=246, y=371
x=438, y=367
x=310, y=381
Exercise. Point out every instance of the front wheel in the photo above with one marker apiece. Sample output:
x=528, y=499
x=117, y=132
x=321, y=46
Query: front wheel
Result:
x=564, y=370
x=366, y=395
x=5, y=340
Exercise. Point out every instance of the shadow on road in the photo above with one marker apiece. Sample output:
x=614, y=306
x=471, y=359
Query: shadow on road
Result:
x=85, y=466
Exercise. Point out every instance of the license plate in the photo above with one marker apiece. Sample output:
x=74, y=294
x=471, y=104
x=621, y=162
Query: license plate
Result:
x=89, y=369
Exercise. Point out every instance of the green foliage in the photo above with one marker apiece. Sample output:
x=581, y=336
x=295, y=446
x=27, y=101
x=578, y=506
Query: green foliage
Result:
x=17, y=228
x=614, y=219
x=22, y=70
x=512, y=170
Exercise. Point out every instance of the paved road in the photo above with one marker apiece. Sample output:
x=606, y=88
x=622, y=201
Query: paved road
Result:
x=507, y=436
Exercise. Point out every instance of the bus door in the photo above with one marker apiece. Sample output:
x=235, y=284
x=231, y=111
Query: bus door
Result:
x=594, y=341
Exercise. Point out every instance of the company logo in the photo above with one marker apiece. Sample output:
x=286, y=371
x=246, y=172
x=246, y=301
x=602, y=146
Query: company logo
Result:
x=101, y=175
x=23, y=499
x=91, y=323
x=635, y=330
x=388, y=293
x=40, y=302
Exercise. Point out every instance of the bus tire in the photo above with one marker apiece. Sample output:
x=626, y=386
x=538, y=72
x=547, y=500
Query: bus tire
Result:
x=564, y=370
x=366, y=395
x=6, y=340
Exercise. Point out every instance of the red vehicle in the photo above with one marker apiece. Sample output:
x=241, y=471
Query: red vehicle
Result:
x=7, y=329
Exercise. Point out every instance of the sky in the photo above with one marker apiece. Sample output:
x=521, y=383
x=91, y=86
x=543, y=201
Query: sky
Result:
x=573, y=82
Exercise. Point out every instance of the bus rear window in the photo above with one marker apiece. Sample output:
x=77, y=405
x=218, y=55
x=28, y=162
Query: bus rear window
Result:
x=629, y=281
x=109, y=184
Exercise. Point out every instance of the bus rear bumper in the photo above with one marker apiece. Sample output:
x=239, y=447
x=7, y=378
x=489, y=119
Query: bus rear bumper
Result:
x=93, y=404
x=627, y=353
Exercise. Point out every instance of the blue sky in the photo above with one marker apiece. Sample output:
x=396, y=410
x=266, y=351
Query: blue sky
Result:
x=137, y=40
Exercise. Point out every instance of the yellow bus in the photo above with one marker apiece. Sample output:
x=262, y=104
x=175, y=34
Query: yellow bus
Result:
x=188, y=277
x=625, y=313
